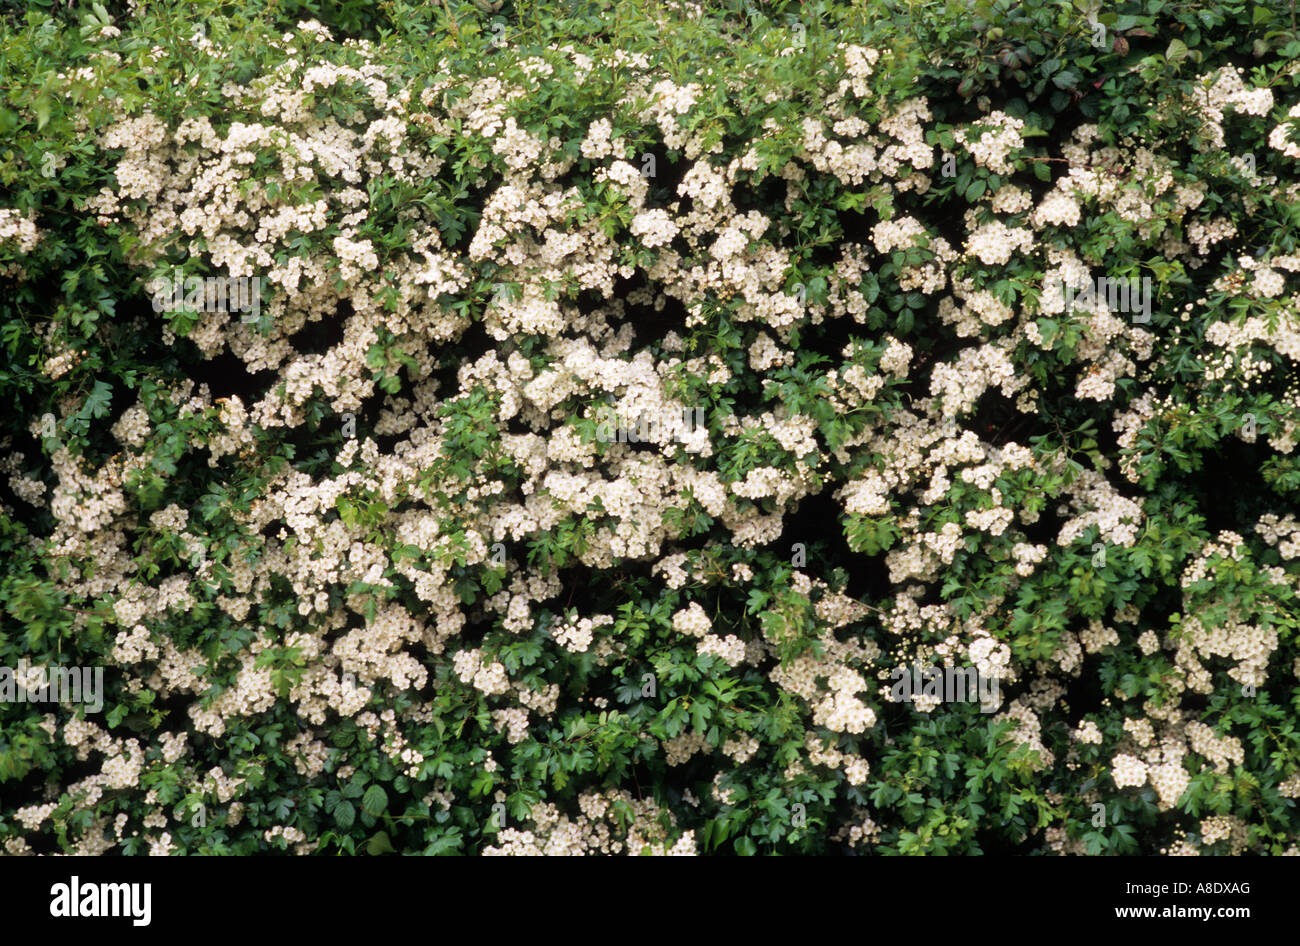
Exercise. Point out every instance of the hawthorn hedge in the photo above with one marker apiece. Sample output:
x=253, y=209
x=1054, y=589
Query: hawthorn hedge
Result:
x=502, y=428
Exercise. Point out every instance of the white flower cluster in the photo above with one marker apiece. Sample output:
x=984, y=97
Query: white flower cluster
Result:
x=998, y=136
x=692, y=621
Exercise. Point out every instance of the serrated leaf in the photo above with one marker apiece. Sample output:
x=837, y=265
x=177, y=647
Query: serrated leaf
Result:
x=375, y=801
x=1066, y=80
x=345, y=815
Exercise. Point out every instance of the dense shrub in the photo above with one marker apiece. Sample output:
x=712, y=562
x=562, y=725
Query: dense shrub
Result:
x=370, y=567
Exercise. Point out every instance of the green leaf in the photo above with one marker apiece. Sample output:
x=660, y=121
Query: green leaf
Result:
x=98, y=402
x=380, y=844
x=345, y=815
x=1066, y=80
x=375, y=801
